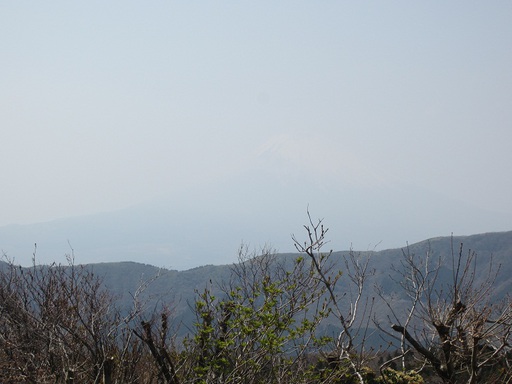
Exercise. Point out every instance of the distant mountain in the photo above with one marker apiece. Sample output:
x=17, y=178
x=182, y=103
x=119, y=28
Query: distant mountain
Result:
x=208, y=226
x=177, y=289
x=262, y=204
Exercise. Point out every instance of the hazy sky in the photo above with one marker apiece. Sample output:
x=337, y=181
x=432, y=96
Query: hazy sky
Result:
x=108, y=104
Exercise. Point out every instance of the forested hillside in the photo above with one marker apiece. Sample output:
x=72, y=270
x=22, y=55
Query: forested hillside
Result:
x=179, y=286
x=435, y=311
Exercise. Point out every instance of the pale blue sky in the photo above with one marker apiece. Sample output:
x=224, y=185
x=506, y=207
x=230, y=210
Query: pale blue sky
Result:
x=105, y=105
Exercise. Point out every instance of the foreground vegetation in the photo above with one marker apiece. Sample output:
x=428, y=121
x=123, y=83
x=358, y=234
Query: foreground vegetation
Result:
x=274, y=321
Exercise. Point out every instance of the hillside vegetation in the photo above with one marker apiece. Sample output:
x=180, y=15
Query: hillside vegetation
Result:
x=435, y=311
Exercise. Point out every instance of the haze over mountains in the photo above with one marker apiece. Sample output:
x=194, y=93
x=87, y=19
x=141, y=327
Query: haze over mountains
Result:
x=263, y=205
x=206, y=225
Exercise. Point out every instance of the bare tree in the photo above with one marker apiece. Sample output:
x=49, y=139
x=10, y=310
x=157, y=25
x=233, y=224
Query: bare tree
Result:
x=59, y=324
x=353, y=312
x=457, y=327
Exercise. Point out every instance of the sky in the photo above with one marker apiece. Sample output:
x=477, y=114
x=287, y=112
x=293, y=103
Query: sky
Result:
x=109, y=105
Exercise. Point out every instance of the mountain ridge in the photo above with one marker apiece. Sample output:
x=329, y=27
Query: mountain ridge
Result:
x=177, y=289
